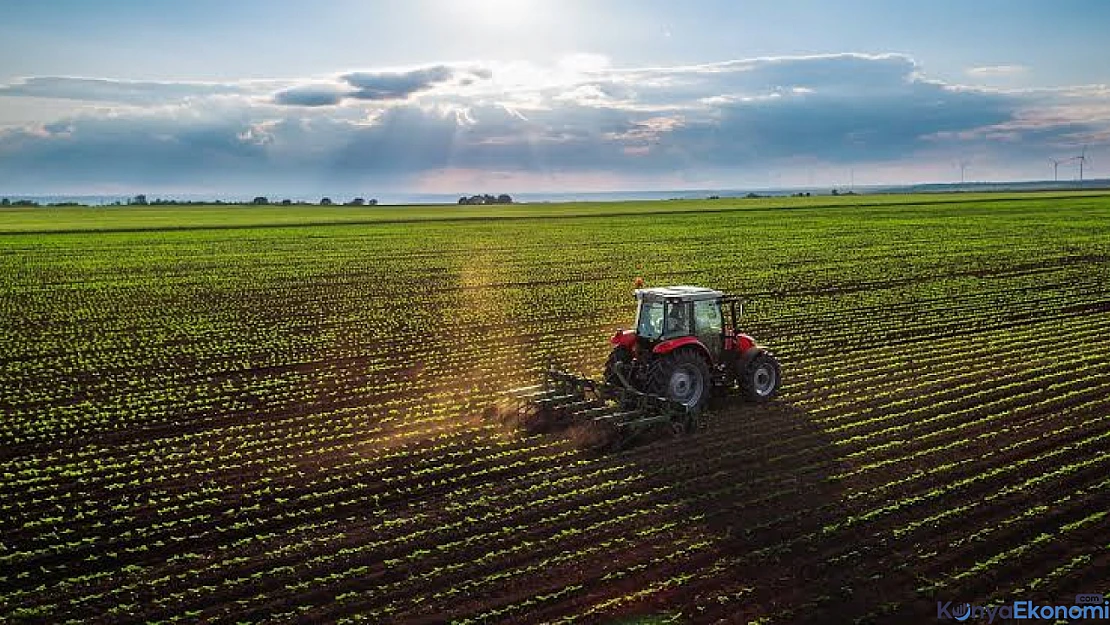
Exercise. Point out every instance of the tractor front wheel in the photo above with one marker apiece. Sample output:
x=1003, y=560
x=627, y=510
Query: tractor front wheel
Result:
x=760, y=377
x=682, y=376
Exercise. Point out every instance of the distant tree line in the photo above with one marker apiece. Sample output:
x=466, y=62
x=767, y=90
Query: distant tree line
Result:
x=504, y=198
x=261, y=200
x=325, y=201
x=6, y=203
x=141, y=200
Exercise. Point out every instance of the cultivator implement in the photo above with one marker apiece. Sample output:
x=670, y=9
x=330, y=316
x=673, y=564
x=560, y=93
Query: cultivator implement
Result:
x=670, y=353
x=610, y=414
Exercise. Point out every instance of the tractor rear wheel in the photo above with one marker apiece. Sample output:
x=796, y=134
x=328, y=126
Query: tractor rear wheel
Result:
x=682, y=376
x=620, y=357
x=760, y=377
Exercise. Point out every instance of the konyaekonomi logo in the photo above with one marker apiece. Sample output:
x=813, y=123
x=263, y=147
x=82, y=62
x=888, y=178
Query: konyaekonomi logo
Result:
x=962, y=612
x=1089, y=607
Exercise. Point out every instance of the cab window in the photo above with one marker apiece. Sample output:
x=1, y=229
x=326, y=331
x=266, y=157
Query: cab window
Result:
x=649, y=320
x=707, y=316
x=677, y=320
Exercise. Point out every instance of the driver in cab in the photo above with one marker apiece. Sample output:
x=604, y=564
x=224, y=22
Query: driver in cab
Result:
x=677, y=323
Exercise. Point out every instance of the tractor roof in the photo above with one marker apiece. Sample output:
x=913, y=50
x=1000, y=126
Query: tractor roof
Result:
x=680, y=293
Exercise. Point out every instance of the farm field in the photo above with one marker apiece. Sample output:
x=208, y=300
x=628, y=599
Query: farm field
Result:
x=285, y=415
x=112, y=219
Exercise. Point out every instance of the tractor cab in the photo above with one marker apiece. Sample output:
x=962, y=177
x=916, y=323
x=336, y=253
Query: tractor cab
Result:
x=668, y=313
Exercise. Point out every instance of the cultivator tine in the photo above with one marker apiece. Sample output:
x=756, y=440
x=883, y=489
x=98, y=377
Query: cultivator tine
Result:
x=522, y=405
x=605, y=415
x=599, y=410
x=619, y=418
x=577, y=411
x=524, y=390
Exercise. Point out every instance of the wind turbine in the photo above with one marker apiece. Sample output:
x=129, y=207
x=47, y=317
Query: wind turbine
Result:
x=1056, y=169
x=1082, y=158
x=963, y=167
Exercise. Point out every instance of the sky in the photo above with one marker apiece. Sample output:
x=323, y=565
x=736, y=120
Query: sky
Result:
x=290, y=97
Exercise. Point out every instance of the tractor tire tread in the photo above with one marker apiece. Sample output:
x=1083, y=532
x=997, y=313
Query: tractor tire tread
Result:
x=748, y=368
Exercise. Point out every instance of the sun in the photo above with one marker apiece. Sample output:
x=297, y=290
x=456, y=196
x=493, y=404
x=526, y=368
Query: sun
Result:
x=495, y=13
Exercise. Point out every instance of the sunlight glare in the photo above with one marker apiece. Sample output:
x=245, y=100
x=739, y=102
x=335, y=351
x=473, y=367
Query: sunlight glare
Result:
x=496, y=13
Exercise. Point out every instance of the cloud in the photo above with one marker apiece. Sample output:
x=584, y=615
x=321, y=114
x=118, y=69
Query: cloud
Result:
x=311, y=95
x=396, y=85
x=584, y=118
x=116, y=91
x=89, y=153
x=380, y=85
x=994, y=71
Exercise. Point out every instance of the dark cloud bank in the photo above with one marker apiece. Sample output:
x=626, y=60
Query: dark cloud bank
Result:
x=370, y=127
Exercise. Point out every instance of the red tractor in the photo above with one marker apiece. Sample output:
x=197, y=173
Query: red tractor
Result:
x=662, y=372
x=682, y=349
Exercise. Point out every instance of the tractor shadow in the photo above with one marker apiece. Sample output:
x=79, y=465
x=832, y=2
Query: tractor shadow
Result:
x=758, y=483
x=758, y=487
